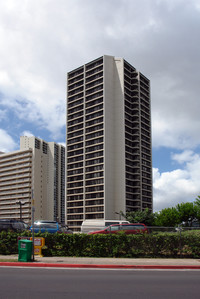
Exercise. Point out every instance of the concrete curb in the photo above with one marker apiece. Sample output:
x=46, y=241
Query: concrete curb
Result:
x=96, y=266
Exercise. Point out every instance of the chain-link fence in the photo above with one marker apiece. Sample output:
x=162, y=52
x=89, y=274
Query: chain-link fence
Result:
x=159, y=229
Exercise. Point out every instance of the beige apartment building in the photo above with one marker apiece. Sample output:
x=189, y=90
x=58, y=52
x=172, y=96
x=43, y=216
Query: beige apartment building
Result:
x=108, y=155
x=34, y=175
x=16, y=184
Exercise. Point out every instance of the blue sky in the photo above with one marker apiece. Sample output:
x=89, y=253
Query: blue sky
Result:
x=42, y=40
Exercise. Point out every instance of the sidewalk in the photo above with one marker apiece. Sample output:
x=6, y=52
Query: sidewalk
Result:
x=87, y=262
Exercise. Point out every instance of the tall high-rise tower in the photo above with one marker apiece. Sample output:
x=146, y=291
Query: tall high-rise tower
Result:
x=109, y=158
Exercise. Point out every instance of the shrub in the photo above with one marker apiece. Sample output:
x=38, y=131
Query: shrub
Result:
x=121, y=245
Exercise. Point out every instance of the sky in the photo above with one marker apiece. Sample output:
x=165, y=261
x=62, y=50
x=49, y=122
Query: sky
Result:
x=41, y=40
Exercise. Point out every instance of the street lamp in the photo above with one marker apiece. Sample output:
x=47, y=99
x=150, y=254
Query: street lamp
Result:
x=20, y=208
x=120, y=214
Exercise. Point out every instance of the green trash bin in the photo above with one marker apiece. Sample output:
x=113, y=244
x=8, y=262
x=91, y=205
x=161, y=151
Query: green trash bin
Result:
x=25, y=250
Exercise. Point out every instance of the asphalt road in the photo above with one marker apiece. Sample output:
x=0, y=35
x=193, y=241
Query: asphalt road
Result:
x=89, y=283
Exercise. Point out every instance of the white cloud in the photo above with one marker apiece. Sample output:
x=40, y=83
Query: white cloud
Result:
x=7, y=143
x=185, y=156
x=180, y=185
x=2, y=115
x=62, y=143
x=42, y=40
x=26, y=133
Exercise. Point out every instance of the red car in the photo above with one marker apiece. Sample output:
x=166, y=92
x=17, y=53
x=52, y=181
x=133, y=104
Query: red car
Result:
x=130, y=228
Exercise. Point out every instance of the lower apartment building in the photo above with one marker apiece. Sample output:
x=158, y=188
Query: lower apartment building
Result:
x=34, y=175
x=16, y=184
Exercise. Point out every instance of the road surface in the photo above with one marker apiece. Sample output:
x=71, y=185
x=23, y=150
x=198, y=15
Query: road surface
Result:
x=56, y=283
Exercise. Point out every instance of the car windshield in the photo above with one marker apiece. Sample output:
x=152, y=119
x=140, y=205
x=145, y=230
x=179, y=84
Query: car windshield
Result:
x=45, y=225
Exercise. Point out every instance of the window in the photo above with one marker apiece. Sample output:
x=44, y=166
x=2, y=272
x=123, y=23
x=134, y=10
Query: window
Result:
x=95, y=161
x=94, y=155
x=75, y=146
x=94, y=182
x=114, y=228
x=77, y=133
x=93, y=122
x=94, y=96
x=94, y=189
x=94, y=128
x=75, y=115
x=94, y=135
x=75, y=159
x=73, y=110
x=94, y=168
x=75, y=140
x=75, y=103
x=76, y=171
x=94, y=175
x=75, y=165
x=75, y=153
x=73, y=122
x=94, y=148
x=94, y=115
x=94, y=83
x=94, y=141
x=75, y=128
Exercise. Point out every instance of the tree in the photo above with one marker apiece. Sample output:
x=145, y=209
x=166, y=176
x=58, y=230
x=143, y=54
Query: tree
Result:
x=187, y=212
x=167, y=217
x=197, y=201
x=197, y=207
x=145, y=217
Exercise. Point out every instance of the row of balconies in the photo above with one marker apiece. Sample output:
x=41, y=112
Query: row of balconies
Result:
x=15, y=162
x=7, y=181
x=97, y=70
x=95, y=209
x=18, y=196
x=75, y=79
x=8, y=170
x=15, y=186
x=79, y=124
x=89, y=88
x=88, y=131
x=94, y=64
x=79, y=184
x=17, y=156
x=76, y=73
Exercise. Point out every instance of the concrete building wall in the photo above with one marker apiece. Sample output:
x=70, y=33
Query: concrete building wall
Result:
x=114, y=137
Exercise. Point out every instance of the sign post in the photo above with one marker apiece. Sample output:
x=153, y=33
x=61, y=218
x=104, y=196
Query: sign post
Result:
x=33, y=212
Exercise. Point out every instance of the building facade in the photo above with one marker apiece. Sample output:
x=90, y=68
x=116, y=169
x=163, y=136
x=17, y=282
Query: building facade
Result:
x=16, y=184
x=108, y=157
x=33, y=175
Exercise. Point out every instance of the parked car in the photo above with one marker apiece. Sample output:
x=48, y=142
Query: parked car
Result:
x=13, y=225
x=65, y=229
x=90, y=225
x=50, y=227
x=131, y=228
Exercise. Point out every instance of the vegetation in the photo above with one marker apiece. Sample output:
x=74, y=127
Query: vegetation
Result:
x=172, y=245
x=182, y=214
x=145, y=217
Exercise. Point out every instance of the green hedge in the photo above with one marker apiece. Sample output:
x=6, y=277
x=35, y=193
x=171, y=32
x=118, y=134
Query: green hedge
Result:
x=121, y=245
